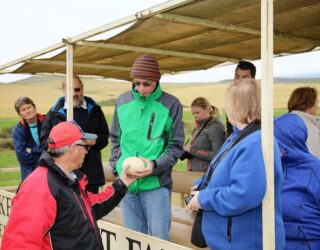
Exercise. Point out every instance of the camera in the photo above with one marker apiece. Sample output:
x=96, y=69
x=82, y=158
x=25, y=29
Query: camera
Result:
x=188, y=198
x=185, y=155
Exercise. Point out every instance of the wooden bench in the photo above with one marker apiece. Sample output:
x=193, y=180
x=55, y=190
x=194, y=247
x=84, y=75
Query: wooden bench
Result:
x=181, y=221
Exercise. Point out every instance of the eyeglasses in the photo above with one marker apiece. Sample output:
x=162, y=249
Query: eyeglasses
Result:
x=77, y=89
x=86, y=147
x=145, y=84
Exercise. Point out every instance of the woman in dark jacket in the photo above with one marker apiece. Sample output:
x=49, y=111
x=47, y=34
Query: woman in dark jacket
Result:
x=26, y=135
x=207, y=136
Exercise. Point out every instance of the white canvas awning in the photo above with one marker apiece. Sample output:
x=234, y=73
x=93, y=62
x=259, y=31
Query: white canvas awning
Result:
x=184, y=35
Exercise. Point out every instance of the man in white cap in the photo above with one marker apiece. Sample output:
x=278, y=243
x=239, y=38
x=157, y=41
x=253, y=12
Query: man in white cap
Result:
x=147, y=123
x=52, y=209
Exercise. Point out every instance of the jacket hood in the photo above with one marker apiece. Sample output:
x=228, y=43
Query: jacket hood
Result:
x=291, y=134
x=46, y=160
x=58, y=106
x=40, y=118
x=151, y=97
x=209, y=120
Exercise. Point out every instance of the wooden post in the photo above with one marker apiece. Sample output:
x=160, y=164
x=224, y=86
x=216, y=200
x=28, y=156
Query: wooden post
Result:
x=267, y=121
x=69, y=86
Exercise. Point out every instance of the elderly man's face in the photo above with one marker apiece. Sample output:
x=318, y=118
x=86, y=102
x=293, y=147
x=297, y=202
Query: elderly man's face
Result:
x=143, y=86
x=80, y=151
x=77, y=92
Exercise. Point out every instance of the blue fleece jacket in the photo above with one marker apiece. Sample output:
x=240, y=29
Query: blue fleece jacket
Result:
x=232, y=202
x=301, y=185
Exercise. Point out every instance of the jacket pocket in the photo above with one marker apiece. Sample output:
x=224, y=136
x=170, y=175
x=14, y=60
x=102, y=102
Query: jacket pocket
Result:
x=150, y=127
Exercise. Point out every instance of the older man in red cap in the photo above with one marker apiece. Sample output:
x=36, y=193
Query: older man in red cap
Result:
x=52, y=209
x=147, y=123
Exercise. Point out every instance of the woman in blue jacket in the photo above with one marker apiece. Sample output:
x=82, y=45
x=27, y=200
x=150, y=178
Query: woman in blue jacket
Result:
x=301, y=185
x=26, y=135
x=232, y=201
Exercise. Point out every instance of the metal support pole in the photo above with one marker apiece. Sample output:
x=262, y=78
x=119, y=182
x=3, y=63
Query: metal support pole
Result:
x=268, y=217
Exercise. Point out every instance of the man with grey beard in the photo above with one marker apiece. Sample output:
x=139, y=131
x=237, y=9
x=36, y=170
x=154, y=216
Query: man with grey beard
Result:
x=88, y=114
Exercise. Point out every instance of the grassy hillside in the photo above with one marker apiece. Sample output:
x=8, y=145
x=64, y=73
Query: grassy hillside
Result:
x=46, y=92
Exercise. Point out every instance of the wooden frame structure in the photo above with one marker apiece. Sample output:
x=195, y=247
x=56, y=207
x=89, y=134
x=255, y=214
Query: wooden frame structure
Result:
x=189, y=35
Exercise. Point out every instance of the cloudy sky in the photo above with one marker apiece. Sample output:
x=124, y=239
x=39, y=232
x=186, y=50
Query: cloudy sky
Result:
x=28, y=26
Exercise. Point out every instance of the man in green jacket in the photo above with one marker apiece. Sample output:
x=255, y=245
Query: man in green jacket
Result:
x=147, y=123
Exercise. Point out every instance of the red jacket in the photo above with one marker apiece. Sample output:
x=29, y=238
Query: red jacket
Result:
x=50, y=211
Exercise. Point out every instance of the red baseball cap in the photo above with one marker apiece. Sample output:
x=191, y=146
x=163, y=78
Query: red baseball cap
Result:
x=66, y=133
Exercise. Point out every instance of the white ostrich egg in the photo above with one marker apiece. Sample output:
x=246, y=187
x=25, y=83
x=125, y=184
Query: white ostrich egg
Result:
x=133, y=164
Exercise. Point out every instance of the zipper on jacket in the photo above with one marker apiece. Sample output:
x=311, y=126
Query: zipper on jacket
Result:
x=82, y=209
x=229, y=228
x=94, y=226
x=303, y=237
x=150, y=126
x=86, y=215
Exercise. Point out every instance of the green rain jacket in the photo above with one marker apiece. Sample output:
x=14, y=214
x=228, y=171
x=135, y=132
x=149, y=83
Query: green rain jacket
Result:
x=150, y=127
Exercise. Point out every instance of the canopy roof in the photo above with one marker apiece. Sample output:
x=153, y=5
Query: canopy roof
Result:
x=185, y=35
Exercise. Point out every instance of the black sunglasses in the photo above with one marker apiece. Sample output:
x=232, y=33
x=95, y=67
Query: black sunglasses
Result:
x=87, y=147
x=145, y=84
x=77, y=89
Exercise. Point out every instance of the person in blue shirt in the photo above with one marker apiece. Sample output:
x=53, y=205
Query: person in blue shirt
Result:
x=26, y=135
x=232, y=201
x=301, y=186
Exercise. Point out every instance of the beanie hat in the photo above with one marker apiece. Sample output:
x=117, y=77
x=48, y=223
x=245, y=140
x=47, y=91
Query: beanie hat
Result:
x=146, y=67
x=66, y=133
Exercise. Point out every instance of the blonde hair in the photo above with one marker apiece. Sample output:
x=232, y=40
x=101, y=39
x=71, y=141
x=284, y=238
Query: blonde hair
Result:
x=243, y=101
x=203, y=103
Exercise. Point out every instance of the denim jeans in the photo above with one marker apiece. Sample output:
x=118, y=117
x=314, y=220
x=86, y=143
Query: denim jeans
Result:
x=148, y=212
x=25, y=171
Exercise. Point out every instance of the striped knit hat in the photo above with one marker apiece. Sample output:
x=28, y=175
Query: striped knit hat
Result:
x=146, y=67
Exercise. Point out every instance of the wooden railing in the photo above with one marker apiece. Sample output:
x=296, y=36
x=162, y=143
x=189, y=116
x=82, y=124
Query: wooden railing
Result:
x=181, y=225
x=181, y=221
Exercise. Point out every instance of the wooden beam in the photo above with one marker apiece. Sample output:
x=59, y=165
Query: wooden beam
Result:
x=157, y=51
x=9, y=170
x=87, y=65
x=80, y=65
x=69, y=87
x=5, y=71
x=9, y=188
x=231, y=28
x=33, y=55
x=267, y=142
